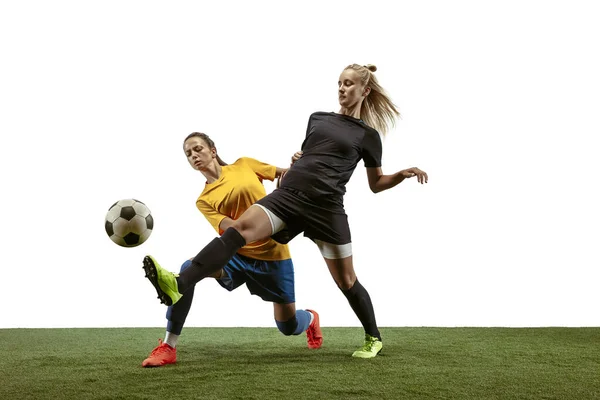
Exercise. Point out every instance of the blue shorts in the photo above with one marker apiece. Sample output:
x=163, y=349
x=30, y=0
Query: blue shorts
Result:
x=272, y=281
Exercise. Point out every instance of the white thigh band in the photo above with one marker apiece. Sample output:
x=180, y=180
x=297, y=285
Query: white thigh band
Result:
x=334, y=251
x=277, y=223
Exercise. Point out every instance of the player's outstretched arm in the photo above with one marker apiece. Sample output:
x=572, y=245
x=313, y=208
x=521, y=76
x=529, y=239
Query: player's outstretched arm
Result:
x=378, y=182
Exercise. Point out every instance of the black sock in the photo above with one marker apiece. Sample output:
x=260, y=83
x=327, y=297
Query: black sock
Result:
x=211, y=258
x=360, y=301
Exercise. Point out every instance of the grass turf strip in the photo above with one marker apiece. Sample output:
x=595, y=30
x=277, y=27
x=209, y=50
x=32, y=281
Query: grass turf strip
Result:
x=260, y=363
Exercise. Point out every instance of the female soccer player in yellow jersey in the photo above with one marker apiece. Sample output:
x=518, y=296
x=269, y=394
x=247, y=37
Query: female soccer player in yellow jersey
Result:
x=310, y=198
x=265, y=266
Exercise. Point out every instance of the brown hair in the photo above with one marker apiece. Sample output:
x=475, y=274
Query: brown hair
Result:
x=378, y=110
x=208, y=141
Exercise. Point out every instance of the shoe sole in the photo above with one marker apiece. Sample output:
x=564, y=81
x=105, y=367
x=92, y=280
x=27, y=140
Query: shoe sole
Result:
x=152, y=275
x=366, y=358
x=157, y=365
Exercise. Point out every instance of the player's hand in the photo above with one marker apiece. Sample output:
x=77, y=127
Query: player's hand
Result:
x=281, y=177
x=410, y=172
x=296, y=156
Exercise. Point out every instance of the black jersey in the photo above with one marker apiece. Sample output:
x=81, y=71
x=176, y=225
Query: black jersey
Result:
x=333, y=146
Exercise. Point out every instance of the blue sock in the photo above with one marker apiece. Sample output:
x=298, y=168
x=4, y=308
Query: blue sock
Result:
x=296, y=325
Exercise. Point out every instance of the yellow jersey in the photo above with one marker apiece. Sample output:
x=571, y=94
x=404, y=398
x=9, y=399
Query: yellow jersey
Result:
x=238, y=187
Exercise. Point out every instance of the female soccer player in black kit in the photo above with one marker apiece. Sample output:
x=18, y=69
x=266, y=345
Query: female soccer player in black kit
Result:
x=310, y=198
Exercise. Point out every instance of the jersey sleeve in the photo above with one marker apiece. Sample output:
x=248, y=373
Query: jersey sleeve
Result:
x=372, y=149
x=307, y=131
x=212, y=215
x=309, y=125
x=261, y=169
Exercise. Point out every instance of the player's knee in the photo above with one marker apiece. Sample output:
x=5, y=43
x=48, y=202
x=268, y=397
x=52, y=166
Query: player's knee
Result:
x=287, y=327
x=243, y=228
x=345, y=282
x=185, y=265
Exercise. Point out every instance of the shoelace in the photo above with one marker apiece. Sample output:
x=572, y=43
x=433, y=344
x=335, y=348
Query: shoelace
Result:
x=369, y=342
x=159, y=350
x=162, y=348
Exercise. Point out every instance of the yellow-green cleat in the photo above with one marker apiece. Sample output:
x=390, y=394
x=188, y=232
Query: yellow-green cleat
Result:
x=164, y=282
x=370, y=349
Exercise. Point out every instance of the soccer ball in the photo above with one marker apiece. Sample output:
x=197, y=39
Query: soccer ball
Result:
x=128, y=223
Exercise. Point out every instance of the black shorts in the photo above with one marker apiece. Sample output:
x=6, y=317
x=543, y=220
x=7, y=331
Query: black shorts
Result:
x=319, y=219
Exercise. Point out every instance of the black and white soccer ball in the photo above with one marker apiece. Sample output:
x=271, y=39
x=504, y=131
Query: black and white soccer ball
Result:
x=129, y=223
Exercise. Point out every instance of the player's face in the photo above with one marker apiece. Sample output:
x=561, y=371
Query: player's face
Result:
x=199, y=153
x=351, y=91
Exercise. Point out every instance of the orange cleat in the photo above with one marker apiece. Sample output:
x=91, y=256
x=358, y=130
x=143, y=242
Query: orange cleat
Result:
x=162, y=354
x=314, y=336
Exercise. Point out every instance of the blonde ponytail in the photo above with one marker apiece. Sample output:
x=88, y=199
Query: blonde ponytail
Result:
x=378, y=111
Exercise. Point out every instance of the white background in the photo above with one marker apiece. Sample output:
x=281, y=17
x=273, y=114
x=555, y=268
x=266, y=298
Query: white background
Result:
x=500, y=105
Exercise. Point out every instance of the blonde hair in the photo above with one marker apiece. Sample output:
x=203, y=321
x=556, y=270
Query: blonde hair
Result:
x=378, y=111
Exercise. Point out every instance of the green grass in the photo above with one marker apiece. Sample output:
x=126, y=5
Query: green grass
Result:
x=260, y=363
